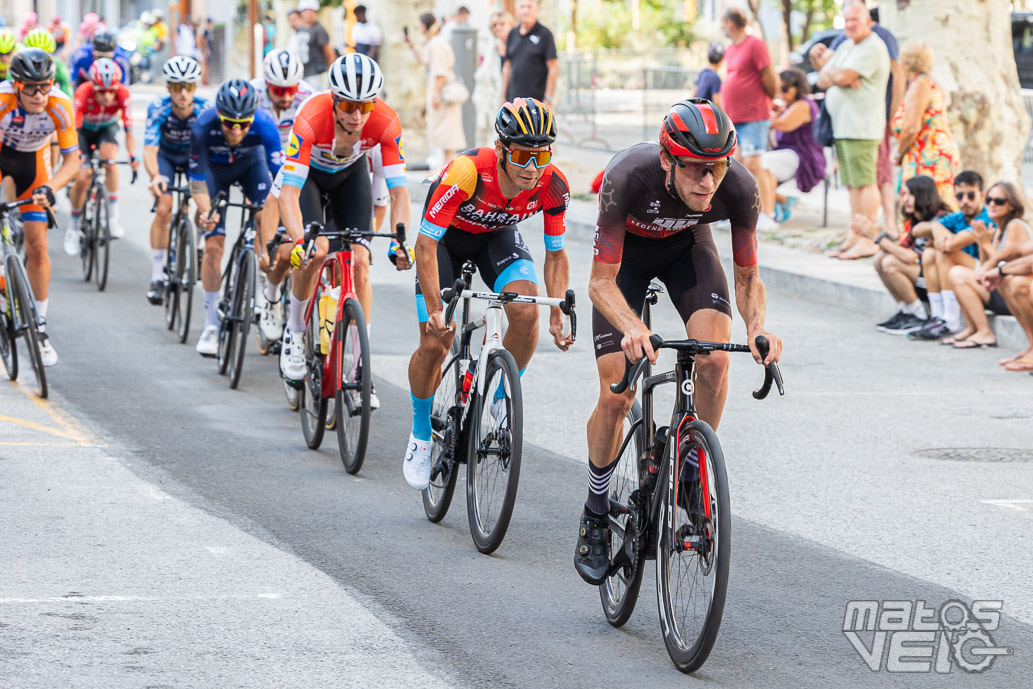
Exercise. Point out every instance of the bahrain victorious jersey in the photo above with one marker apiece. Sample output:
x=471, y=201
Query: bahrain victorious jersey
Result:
x=466, y=196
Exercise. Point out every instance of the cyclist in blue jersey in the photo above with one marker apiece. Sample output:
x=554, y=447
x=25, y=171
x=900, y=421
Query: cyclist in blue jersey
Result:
x=166, y=149
x=104, y=44
x=226, y=146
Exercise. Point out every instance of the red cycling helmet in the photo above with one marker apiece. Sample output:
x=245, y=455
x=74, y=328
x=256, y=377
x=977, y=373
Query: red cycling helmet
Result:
x=105, y=74
x=697, y=128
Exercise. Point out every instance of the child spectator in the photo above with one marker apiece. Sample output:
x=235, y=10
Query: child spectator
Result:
x=708, y=83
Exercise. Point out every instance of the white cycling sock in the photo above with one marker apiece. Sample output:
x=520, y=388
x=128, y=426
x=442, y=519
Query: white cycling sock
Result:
x=296, y=321
x=41, y=309
x=272, y=292
x=211, y=308
x=157, y=264
x=951, y=309
x=936, y=304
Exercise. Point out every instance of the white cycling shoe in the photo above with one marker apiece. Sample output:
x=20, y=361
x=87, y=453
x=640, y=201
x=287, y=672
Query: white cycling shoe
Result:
x=416, y=465
x=208, y=343
x=292, y=356
x=47, y=354
x=72, y=241
x=270, y=320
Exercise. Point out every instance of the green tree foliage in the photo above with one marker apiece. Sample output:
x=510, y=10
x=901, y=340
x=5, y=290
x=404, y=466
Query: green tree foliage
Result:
x=610, y=26
x=817, y=15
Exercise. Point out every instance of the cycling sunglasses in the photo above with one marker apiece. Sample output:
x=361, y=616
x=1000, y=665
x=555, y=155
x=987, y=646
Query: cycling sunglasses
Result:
x=347, y=106
x=230, y=123
x=33, y=89
x=180, y=87
x=522, y=158
x=283, y=91
x=697, y=170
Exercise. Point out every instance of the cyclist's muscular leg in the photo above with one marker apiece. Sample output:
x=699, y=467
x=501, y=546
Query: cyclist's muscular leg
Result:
x=711, y=370
x=78, y=192
x=522, y=335
x=305, y=278
x=108, y=151
x=605, y=425
x=160, y=223
x=37, y=263
x=360, y=278
x=211, y=275
x=426, y=361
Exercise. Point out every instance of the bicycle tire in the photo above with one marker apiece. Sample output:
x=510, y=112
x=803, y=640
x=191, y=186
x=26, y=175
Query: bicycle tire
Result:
x=687, y=647
x=312, y=404
x=226, y=332
x=290, y=392
x=170, y=288
x=482, y=472
x=102, y=242
x=8, y=346
x=86, y=253
x=243, y=312
x=26, y=306
x=354, y=371
x=619, y=592
x=444, y=419
x=186, y=276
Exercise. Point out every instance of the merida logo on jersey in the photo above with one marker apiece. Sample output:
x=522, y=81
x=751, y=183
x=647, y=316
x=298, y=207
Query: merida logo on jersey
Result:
x=449, y=193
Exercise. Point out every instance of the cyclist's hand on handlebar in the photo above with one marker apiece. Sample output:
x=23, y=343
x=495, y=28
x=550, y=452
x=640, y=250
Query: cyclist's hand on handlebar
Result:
x=436, y=326
x=774, y=343
x=43, y=196
x=207, y=221
x=563, y=341
x=636, y=345
x=134, y=163
x=300, y=257
x=157, y=186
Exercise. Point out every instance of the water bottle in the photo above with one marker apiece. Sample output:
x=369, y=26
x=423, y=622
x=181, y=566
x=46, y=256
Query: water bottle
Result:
x=464, y=393
x=653, y=459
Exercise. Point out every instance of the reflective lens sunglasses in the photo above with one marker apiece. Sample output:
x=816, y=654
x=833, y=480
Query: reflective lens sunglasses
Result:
x=996, y=200
x=33, y=89
x=697, y=170
x=230, y=123
x=960, y=196
x=347, y=106
x=522, y=158
x=181, y=87
x=283, y=91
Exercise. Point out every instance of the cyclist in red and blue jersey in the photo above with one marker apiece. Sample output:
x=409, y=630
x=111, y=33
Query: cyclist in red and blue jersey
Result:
x=471, y=214
x=166, y=150
x=104, y=44
x=231, y=142
x=656, y=204
x=99, y=104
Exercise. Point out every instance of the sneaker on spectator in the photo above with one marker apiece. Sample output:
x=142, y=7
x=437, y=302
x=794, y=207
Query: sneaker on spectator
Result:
x=906, y=324
x=765, y=223
x=890, y=322
x=934, y=329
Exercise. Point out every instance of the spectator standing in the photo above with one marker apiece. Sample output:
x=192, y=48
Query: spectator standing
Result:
x=294, y=21
x=269, y=32
x=749, y=86
x=1012, y=276
x=365, y=34
x=444, y=120
x=461, y=19
x=313, y=41
x=925, y=143
x=797, y=154
x=1006, y=207
x=186, y=39
x=708, y=83
x=501, y=24
x=856, y=77
x=531, y=67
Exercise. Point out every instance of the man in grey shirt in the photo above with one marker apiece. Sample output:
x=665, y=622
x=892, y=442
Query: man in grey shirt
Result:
x=313, y=40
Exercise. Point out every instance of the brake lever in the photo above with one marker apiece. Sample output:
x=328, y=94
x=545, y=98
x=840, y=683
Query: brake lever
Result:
x=453, y=294
x=633, y=370
x=51, y=220
x=771, y=372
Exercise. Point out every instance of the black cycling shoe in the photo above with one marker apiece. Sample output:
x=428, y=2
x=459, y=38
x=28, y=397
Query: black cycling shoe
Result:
x=592, y=559
x=156, y=293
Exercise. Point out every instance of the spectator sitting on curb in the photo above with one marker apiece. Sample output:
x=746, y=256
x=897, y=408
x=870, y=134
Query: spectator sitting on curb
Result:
x=708, y=83
x=797, y=154
x=905, y=265
x=1006, y=208
x=1012, y=276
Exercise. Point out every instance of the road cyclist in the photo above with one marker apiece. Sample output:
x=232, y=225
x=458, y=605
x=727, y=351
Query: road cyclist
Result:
x=103, y=43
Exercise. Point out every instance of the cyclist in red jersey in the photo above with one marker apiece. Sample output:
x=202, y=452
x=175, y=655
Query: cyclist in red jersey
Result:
x=655, y=207
x=326, y=154
x=471, y=214
x=98, y=104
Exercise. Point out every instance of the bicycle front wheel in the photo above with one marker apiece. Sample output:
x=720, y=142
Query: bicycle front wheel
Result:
x=619, y=593
x=185, y=277
x=102, y=242
x=8, y=347
x=445, y=417
x=493, y=462
x=312, y=404
x=87, y=232
x=354, y=390
x=693, y=549
x=243, y=310
x=25, y=307
x=170, y=291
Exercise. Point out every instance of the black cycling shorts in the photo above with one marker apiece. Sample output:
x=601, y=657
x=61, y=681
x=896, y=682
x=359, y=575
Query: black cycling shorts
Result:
x=96, y=137
x=501, y=256
x=350, y=200
x=688, y=265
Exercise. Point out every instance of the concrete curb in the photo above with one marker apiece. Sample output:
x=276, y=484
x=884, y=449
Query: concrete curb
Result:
x=804, y=275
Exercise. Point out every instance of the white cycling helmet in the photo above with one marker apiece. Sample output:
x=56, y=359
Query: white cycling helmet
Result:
x=282, y=68
x=355, y=77
x=182, y=70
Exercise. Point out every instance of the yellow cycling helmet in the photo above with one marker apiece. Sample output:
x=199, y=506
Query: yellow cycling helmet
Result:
x=42, y=39
x=7, y=41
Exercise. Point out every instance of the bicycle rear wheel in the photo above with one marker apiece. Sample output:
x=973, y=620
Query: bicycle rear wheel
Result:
x=444, y=422
x=693, y=550
x=243, y=312
x=171, y=291
x=619, y=593
x=8, y=347
x=356, y=382
x=312, y=404
x=493, y=462
x=87, y=254
x=226, y=331
x=289, y=391
x=186, y=275
x=25, y=307
x=102, y=241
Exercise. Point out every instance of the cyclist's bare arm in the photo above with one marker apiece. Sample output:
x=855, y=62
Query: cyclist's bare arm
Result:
x=150, y=164
x=751, y=300
x=427, y=273
x=606, y=296
x=401, y=206
x=557, y=279
x=199, y=193
x=131, y=148
x=290, y=211
x=69, y=170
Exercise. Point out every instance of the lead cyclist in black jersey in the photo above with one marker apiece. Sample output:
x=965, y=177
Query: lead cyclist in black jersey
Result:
x=655, y=206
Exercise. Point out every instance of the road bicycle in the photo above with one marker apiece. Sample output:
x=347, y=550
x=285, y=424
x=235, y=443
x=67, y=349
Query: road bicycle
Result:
x=18, y=316
x=477, y=414
x=94, y=231
x=669, y=502
x=265, y=345
x=237, y=303
x=181, y=263
x=337, y=354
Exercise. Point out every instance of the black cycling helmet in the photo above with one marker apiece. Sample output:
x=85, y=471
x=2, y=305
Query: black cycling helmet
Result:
x=104, y=41
x=696, y=128
x=526, y=122
x=236, y=99
x=31, y=66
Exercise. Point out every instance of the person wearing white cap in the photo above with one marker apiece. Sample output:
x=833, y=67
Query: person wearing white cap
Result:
x=313, y=40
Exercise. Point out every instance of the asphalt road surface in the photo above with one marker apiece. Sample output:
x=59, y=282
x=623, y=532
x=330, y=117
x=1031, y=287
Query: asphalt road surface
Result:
x=179, y=533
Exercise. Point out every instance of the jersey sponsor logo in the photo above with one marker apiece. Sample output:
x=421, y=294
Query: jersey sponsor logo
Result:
x=663, y=225
x=289, y=167
x=398, y=143
x=294, y=145
x=654, y=207
x=449, y=193
x=531, y=204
